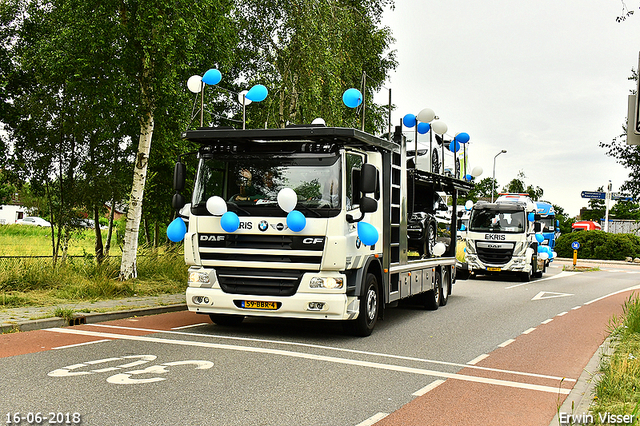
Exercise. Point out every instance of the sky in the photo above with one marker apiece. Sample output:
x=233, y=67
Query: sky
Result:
x=545, y=80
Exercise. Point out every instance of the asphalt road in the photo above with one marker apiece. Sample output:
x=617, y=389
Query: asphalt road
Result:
x=519, y=345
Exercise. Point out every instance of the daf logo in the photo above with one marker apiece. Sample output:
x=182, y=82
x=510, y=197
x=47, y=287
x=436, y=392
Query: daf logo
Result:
x=263, y=225
x=211, y=237
x=279, y=226
x=312, y=240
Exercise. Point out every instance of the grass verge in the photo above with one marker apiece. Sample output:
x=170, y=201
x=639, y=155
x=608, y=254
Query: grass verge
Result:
x=617, y=391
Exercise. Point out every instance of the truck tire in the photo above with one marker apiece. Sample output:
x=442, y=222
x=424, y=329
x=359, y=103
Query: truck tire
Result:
x=445, y=288
x=226, y=320
x=369, y=308
x=432, y=297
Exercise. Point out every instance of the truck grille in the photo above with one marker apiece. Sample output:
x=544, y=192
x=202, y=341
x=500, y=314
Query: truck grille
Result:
x=259, y=282
x=495, y=256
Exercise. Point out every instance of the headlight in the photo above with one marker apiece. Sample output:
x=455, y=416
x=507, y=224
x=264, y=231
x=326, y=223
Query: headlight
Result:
x=198, y=278
x=326, y=282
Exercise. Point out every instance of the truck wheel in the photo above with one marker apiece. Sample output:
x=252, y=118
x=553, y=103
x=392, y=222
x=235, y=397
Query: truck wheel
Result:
x=445, y=288
x=525, y=276
x=432, y=297
x=227, y=320
x=369, y=304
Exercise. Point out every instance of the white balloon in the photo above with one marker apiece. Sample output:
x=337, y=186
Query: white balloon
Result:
x=426, y=115
x=216, y=206
x=468, y=205
x=543, y=255
x=319, y=121
x=195, y=83
x=477, y=171
x=554, y=254
x=439, y=127
x=287, y=199
x=439, y=249
x=242, y=97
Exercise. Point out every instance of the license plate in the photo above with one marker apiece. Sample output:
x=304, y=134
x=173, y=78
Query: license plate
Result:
x=493, y=269
x=253, y=304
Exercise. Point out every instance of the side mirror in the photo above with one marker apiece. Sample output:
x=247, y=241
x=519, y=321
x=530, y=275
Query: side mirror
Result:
x=368, y=178
x=179, y=176
x=178, y=201
x=368, y=205
x=537, y=227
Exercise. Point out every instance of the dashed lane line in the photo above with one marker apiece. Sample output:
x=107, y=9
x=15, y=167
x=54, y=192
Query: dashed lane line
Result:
x=431, y=386
x=373, y=419
x=478, y=359
x=315, y=357
x=506, y=343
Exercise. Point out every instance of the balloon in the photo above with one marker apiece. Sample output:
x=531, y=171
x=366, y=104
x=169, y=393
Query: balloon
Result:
x=194, y=84
x=257, y=93
x=212, y=77
x=468, y=205
x=543, y=255
x=423, y=128
x=319, y=121
x=477, y=171
x=230, y=221
x=352, y=98
x=454, y=146
x=463, y=228
x=296, y=221
x=531, y=216
x=216, y=206
x=287, y=199
x=242, y=97
x=439, y=249
x=554, y=254
x=409, y=120
x=367, y=233
x=539, y=238
x=439, y=127
x=468, y=177
x=426, y=115
x=462, y=137
x=176, y=230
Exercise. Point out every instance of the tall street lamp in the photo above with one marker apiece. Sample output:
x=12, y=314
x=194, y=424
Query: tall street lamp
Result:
x=493, y=183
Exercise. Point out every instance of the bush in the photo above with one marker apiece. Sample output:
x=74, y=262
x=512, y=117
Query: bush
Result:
x=599, y=245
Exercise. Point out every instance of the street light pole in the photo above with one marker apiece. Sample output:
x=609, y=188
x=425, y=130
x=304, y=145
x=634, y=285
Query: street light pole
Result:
x=493, y=182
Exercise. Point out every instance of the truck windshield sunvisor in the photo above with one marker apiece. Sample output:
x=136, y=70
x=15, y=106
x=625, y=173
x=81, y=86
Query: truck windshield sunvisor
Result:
x=250, y=183
x=497, y=220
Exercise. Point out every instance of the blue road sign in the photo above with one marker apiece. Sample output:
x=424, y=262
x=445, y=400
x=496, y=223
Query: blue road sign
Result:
x=575, y=245
x=593, y=194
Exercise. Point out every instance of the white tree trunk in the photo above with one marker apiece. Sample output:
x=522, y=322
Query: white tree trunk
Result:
x=134, y=212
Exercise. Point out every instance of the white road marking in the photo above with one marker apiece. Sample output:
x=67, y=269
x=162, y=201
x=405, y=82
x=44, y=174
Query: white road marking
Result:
x=577, y=307
x=478, y=359
x=506, y=343
x=431, y=386
x=315, y=357
x=562, y=274
x=547, y=321
x=549, y=295
x=333, y=348
x=373, y=419
x=529, y=330
x=562, y=314
x=82, y=344
x=190, y=326
x=635, y=287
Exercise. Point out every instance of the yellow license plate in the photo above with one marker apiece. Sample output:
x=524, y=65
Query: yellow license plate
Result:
x=253, y=304
x=493, y=269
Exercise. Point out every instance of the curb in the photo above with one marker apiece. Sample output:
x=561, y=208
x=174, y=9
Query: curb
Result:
x=89, y=318
x=581, y=396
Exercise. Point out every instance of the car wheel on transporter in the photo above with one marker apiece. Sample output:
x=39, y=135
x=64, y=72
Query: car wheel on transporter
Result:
x=432, y=297
x=225, y=319
x=445, y=288
x=430, y=239
x=369, y=305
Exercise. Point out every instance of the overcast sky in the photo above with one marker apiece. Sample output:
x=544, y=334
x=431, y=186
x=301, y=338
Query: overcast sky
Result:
x=544, y=80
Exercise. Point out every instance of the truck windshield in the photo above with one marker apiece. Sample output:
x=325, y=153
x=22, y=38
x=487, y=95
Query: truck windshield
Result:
x=548, y=223
x=487, y=220
x=250, y=184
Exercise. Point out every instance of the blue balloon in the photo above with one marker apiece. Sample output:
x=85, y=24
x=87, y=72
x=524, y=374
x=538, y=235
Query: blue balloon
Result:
x=423, y=128
x=257, y=93
x=176, y=230
x=409, y=120
x=212, y=77
x=539, y=238
x=462, y=137
x=352, y=98
x=368, y=233
x=230, y=221
x=463, y=228
x=468, y=177
x=531, y=216
x=296, y=221
x=454, y=146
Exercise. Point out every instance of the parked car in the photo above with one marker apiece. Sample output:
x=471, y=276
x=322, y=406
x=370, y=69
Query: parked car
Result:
x=33, y=221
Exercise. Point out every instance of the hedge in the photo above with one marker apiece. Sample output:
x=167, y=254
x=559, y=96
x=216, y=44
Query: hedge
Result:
x=599, y=245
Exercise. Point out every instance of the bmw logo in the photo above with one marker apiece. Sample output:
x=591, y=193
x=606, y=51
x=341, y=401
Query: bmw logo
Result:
x=263, y=225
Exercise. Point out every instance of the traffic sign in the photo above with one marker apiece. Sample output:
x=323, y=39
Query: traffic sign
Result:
x=593, y=194
x=575, y=245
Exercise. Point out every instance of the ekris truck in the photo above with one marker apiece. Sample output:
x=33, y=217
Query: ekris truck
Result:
x=310, y=222
x=501, y=238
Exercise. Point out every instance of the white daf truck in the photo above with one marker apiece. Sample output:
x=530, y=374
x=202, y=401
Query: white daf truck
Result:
x=311, y=222
x=500, y=238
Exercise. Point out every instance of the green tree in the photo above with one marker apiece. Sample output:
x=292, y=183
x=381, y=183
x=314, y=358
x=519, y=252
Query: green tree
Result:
x=517, y=185
x=482, y=190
